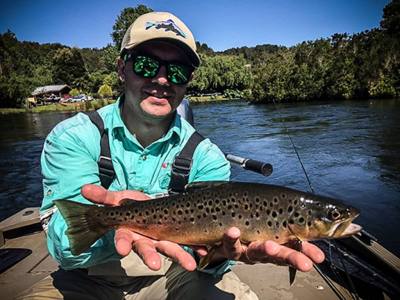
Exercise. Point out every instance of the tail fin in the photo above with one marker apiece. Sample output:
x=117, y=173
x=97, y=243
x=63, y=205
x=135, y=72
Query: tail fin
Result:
x=83, y=227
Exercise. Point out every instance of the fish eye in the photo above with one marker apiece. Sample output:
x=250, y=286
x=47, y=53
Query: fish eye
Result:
x=334, y=214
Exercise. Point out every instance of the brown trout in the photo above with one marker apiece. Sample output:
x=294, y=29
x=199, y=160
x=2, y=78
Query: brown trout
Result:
x=202, y=214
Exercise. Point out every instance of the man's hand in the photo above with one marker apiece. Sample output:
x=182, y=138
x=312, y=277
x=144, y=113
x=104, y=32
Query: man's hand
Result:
x=267, y=252
x=127, y=240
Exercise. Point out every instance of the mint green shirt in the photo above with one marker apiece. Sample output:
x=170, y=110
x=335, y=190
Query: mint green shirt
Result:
x=69, y=161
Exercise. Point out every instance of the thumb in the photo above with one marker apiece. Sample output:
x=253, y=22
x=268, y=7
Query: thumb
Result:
x=98, y=194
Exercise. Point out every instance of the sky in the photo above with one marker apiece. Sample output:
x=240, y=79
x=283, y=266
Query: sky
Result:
x=221, y=24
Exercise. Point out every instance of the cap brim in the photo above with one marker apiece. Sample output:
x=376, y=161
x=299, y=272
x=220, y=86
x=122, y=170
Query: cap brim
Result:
x=192, y=55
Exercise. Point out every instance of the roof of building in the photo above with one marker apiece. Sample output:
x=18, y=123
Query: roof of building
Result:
x=49, y=89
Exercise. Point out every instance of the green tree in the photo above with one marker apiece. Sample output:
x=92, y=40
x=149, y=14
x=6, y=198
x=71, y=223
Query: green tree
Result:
x=391, y=18
x=105, y=91
x=69, y=67
x=74, y=92
x=124, y=20
x=109, y=57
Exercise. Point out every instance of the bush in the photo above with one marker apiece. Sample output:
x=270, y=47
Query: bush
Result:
x=105, y=91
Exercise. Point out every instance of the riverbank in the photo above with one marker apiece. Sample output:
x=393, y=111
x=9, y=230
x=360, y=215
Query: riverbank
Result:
x=96, y=104
x=78, y=106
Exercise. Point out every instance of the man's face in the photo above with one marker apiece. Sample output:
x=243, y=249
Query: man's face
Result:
x=154, y=97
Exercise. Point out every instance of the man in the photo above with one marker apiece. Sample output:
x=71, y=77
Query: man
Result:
x=157, y=59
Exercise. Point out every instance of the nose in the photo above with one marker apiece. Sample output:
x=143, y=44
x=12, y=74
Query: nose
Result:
x=161, y=77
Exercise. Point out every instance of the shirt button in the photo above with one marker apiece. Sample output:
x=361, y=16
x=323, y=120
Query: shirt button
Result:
x=144, y=157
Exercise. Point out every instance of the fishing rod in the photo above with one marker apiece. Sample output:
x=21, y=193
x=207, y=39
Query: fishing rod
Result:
x=257, y=166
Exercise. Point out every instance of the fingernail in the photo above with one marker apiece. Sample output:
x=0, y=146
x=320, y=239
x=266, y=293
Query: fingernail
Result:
x=307, y=266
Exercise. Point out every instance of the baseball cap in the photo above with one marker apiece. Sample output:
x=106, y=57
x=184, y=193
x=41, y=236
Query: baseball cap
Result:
x=161, y=26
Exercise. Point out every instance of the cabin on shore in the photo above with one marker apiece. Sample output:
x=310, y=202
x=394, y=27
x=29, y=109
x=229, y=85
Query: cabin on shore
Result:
x=50, y=93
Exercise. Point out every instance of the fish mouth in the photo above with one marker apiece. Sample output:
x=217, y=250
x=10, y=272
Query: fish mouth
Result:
x=347, y=228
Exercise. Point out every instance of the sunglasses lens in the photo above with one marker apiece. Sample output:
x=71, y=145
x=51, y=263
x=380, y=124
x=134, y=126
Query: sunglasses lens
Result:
x=145, y=66
x=148, y=67
x=178, y=74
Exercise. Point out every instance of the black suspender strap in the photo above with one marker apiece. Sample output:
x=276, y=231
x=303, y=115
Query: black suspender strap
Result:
x=106, y=168
x=182, y=164
x=180, y=168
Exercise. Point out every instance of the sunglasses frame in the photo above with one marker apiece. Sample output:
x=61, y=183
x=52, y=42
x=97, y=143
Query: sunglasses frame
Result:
x=132, y=56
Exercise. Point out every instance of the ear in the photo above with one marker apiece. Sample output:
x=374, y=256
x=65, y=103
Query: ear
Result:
x=121, y=69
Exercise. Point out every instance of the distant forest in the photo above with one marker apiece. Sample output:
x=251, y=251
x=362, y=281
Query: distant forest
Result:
x=363, y=65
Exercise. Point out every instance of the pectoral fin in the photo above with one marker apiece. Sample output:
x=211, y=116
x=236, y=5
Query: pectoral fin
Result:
x=292, y=275
x=295, y=244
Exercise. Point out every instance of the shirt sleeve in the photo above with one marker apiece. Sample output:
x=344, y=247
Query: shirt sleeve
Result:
x=68, y=161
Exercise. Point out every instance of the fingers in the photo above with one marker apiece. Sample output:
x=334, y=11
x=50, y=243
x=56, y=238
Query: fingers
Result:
x=270, y=251
x=147, y=251
x=123, y=241
x=313, y=252
x=231, y=245
x=126, y=240
x=176, y=252
x=100, y=195
x=202, y=251
x=96, y=194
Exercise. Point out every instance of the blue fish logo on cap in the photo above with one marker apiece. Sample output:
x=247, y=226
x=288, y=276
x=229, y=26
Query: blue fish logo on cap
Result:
x=168, y=25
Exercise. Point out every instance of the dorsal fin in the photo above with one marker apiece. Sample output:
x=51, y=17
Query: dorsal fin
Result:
x=204, y=185
x=128, y=201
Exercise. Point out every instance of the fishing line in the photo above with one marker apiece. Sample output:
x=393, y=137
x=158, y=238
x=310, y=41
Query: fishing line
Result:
x=297, y=153
x=356, y=296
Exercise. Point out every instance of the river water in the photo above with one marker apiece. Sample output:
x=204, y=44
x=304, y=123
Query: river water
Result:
x=350, y=150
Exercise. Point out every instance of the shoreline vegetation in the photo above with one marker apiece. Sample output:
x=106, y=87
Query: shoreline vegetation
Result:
x=363, y=65
x=194, y=100
x=98, y=103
